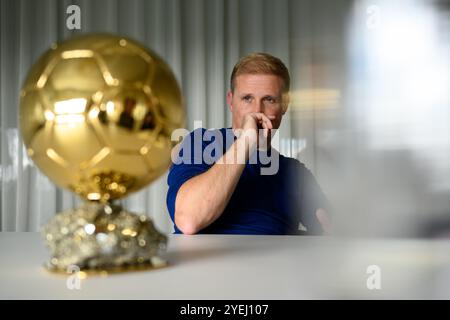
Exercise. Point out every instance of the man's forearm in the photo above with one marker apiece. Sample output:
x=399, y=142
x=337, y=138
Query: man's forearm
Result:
x=202, y=199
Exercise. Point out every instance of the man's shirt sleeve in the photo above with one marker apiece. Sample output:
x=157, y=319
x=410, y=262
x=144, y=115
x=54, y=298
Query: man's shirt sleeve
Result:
x=188, y=164
x=312, y=198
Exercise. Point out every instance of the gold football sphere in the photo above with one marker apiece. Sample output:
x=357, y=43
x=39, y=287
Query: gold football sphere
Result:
x=97, y=113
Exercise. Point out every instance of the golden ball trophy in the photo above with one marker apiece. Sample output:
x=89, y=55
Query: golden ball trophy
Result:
x=96, y=116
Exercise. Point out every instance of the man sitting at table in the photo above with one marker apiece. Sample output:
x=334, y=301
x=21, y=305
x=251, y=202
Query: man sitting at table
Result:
x=230, y=181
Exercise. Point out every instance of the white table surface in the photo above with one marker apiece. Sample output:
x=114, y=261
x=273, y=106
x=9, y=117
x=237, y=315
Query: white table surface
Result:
x=243, y=267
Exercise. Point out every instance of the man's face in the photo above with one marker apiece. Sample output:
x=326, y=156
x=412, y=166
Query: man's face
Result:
x=257, y=93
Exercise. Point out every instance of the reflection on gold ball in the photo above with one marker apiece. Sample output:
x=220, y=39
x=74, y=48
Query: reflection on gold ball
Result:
x=97, y=113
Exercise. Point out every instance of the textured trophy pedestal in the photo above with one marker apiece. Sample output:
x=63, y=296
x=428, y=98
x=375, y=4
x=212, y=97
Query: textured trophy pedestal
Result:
x=102, y=237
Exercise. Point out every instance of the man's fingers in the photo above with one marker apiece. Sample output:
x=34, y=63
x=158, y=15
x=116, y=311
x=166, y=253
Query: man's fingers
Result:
x=266, y=126
x=264, y=119
x=262, y=122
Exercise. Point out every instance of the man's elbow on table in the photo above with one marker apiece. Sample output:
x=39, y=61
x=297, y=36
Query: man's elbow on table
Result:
x=186, y=223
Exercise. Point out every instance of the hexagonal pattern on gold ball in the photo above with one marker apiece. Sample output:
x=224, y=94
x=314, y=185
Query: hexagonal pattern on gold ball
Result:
x=96, y=115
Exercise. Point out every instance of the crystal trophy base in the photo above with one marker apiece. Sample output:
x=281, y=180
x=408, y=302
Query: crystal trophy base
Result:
x=102, y=238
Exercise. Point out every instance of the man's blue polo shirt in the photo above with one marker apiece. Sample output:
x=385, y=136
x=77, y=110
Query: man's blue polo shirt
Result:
x=261, y=204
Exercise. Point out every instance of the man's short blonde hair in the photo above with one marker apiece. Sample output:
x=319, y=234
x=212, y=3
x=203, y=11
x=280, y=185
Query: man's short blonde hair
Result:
x=261, y=63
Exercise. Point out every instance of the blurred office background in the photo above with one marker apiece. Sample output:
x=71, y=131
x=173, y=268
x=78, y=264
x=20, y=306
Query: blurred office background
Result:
x=370, y=114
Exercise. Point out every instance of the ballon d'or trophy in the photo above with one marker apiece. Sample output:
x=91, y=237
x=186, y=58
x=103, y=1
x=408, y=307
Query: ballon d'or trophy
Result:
x=96, y=116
